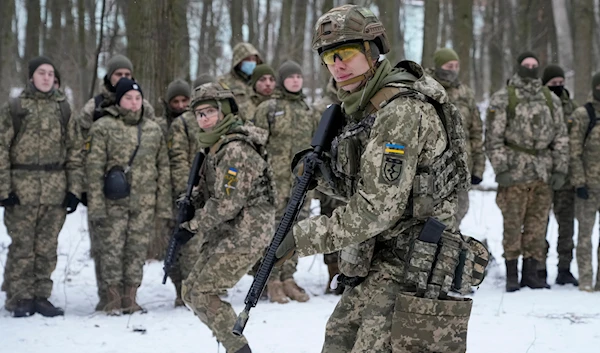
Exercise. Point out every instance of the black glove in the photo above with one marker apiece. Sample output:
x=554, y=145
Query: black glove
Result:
x=583, y=193
x=70, y=203
x=183, y=236
x=188, y=213
x=475, y=180
x=84, y=199
x=11, y=200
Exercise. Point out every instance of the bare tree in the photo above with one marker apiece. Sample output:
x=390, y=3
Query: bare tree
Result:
x=32, y=29
x=462, y=37
x=285, y=33
x=236, y=16
x=496, y=15
x=298, y=31
x=390, y=16
x=430, y=31
x=582, y=45
x=252, y=22
x=7, y=47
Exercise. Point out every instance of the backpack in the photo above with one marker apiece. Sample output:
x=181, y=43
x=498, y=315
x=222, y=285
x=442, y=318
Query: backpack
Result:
x=18, y=113
x=592, y=115
x=513, y=100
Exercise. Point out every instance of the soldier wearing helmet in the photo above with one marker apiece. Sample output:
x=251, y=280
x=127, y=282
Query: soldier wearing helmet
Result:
x=397, y=162
x=234, y=210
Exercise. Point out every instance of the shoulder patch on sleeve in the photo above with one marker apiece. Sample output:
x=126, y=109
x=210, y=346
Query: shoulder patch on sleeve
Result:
x=88, y=144
x=391, y=165
x=230, y=181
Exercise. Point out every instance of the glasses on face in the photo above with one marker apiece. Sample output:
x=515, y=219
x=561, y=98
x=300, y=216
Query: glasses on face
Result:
x=343, y=53
x=205, y=113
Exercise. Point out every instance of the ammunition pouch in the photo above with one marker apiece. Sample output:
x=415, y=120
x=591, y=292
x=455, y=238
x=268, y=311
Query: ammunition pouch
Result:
x=473, y=260
x=355, y=260
x=116, y=186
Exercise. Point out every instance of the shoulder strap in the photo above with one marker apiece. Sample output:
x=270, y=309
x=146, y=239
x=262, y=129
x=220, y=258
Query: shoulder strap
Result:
x=139, y=138
x=382, y=97
x=97, y=111
x=512, y=101
x=16, y=112
x=225, y=140
x=592, y=115
x=185, y=126
x=548, y=97
x=65, y=112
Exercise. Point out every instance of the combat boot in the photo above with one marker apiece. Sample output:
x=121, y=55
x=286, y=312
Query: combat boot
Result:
x=113, y=301
x=542, y=276
x=178, y=300
x=333, y=270
x=275, y=292
x=529, y=277
x=45, y=308
x=101, y=303
x=566, y=277
x=23, y=308
x=294, y=291
x=512, y=276
x=244, y=349
x=128, y=303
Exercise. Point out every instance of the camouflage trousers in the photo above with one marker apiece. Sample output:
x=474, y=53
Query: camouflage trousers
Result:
x=377, y=317
x=525, y=210
x=32, y=253
x=95, y=254
x=563, y=206
x=585, y=212
x=463, y=205
x=122, y=244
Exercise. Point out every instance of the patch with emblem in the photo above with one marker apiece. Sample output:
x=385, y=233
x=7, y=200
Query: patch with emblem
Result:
x=391, y=166
x=88, y=144
x=230, y=181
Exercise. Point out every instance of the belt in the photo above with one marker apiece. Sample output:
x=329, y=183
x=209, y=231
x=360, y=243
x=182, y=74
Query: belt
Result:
x=54, y=167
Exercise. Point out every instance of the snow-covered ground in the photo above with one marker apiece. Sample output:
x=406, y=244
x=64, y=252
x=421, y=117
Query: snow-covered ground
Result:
x=559, y=320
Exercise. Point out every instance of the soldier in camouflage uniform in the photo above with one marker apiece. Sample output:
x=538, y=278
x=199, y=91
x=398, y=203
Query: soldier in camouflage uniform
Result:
x=263, y=88
x=41, y=176
x=392, y=142
x=125, y=139
x=117, y=67
x=527, y=144
x=291, y=123
x=584, y=142
x=244, y=61
x=563, y=200
x=445, y=72
x=234, y=214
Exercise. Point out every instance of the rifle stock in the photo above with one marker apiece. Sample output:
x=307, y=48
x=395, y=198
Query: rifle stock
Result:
x=321, y=142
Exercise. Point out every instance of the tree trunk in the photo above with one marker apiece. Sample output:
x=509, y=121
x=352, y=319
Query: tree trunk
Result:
x=445, y=24
x=252, y=21
x=285, y=33
x=32, y=31
x=7, y=11
x=236, y=16
x=553, y=39
x=430, y=31
x=390, y=17
x=496, y=18
x=298, y=32
x=82, y=42
x=541, y=37
x=524, y=26
x=582, y=45
x=266, y=40
x=463, y=36
x=203, y=60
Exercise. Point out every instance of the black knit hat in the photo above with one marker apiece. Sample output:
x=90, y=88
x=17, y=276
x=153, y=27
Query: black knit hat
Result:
x=178, y=88
x=526, y=54
x=37, y=62
x=125, y=85
x=552, y=71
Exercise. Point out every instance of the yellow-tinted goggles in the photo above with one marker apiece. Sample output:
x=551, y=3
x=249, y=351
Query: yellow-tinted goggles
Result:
x=343, y=53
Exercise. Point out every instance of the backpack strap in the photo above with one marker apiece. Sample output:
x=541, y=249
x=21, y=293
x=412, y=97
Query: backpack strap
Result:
x=185, y=126
x=17, y=114
x=98, y=113
x=512, y=101
x=592, y=115
x=65, y=113
x=548, y=97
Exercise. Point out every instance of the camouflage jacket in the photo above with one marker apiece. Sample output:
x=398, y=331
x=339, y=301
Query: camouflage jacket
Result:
x=248, y=108
x=464, y=99
x=585, y=152
x=406, y=131
x=534, y=143
x=569, y=105
x=291, y=125
x=113, y=140
x=182, y=146
x=41, y=142
x=237, y=195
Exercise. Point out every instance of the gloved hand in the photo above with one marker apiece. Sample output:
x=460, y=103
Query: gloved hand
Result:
x=286, y=249
x=183, y=236
x=84, y=199
x=582, y=193
x=11, y=200
x=475, y=180
x=188, y=213
x=503, y=179
x=70, y=203
x=557, y=180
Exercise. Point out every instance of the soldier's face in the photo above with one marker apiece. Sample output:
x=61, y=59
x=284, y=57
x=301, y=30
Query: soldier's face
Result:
x=349, y=68
x=118, y=74
x=293, y=83
x=179, y=103
x=265, y=85
x=43, y=78
x=453, y=65
x=207, y=116
x=131, y=100
x=557, y=81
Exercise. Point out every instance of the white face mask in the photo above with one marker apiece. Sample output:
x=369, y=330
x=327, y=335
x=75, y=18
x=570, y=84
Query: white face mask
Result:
x=247, y=67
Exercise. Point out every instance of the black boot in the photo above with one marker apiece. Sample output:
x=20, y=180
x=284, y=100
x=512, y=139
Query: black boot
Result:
x=542, y=276
x=244, y=349
x=23, y=308
x=45, y=308
x=529, y=276
x=566, y=277
x=512, y=276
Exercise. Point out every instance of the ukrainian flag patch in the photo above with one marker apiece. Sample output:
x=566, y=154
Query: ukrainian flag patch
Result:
x=232, y=171
x=230, y=180
x=394, y=149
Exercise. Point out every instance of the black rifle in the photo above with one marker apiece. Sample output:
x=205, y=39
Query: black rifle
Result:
x=331, y=119
x=173, y=248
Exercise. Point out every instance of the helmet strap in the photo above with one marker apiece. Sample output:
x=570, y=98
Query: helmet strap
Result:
x=367, y=75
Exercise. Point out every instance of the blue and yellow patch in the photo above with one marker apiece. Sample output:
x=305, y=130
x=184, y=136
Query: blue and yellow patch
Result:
x=232, y=171
x=391, y=165
x=395, y=149
x=230, y=180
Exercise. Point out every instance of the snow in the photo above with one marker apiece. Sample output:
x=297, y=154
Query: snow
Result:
x=559, y=320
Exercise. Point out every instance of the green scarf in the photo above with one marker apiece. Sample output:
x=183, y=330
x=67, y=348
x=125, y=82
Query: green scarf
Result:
x=209, y=138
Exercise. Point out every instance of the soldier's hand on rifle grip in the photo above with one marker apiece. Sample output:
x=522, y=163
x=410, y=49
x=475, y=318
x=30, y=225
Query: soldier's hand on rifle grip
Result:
x=286, y=249
x=188, y=212
x=183, y=236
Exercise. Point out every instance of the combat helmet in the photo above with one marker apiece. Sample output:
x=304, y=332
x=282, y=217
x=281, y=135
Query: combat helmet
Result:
x=214, y=91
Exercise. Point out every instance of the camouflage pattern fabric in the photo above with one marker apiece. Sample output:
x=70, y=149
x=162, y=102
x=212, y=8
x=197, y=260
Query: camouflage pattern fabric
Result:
x=463, y=205
x=182, y=148
x=525, y=209
x=235, y=225
x=248, y=107
x=585, y=212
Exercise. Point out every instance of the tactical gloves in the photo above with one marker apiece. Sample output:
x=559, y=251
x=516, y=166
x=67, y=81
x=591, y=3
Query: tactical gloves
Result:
x=286, y=249
x=503, y=179
x=70, y=202
x=582, y=193
x=475, y=180
x=188, y=212
x=557, y=180
x=183, y=236
x=11, y=200
x=84, y=199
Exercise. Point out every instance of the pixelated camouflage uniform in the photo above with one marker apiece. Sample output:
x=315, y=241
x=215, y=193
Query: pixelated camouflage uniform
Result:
x=40, y=163
x=235, y=218
x=585, y=172
x=463, y=98
x=248, y=107
x=123, y=227
x=531, y=146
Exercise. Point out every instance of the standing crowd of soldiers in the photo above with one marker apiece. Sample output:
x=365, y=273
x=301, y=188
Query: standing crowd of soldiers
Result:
x=408, y=149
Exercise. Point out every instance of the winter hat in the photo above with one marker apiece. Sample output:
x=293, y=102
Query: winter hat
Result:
x=57, y=76
x=595, y=80
x=524, y=55
x=552, y=71
x=444, y=55
x=37, y=62
x=260, y=71
x=178, y=88
x=125, y=85
x=202, y=79
x=118, y=62
x=287, y=69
